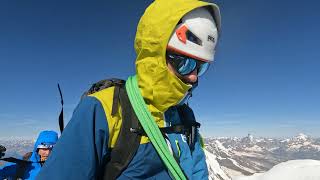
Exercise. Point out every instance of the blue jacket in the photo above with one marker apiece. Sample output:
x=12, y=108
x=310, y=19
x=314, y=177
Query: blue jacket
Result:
x=82, y=150
x=8, y=171
x=31, y=171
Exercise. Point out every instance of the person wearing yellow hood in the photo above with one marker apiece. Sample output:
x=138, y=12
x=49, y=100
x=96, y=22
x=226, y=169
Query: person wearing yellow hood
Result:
x=175, y=44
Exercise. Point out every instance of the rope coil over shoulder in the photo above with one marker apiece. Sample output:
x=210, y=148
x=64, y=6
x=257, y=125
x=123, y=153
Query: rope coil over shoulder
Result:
x=151, y=128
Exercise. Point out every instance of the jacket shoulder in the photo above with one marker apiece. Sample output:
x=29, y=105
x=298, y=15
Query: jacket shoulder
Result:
x=105, y=97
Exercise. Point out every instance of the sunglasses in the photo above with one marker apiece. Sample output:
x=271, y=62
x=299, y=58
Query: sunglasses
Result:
x=185, y=65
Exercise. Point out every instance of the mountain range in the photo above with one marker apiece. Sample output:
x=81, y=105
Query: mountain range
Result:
x=232, y=157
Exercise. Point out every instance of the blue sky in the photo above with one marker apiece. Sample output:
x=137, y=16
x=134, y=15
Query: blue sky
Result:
x=265, y=79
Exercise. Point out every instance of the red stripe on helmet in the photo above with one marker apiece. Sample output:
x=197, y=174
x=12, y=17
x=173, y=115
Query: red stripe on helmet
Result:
x=182, y=34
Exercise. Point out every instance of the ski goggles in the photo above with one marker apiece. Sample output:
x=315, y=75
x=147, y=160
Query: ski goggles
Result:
x=186, y=65
x=45, y=146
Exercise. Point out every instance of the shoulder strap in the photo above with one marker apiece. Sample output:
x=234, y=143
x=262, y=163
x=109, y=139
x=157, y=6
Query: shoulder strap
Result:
x=106, y=83
x=191, y=125
x=2, y=150
x=22, y=167
x=128, y=142
x=14, y=160
x=103, y=84
x=61, y=121
x=152, y=129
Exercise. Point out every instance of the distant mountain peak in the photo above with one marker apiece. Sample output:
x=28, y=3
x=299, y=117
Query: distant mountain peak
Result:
x=250, y=137
x=302, y=137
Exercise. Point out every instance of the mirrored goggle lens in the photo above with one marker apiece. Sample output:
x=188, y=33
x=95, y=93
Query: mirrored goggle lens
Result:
x=203, y=68
x=186, y=65
x=45, y=146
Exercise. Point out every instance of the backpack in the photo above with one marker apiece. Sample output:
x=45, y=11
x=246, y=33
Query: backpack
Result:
x=120, y=157
x=131, y=129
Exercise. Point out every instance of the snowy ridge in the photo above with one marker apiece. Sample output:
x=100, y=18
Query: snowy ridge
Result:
x=290, y=170
x=215, y=171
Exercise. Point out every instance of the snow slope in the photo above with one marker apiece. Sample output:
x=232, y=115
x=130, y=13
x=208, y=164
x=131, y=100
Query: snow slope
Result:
x=215, y=171
x=249, y=155
x=290, y=170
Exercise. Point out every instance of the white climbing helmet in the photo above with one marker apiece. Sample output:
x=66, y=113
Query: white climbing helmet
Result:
x=197, y=34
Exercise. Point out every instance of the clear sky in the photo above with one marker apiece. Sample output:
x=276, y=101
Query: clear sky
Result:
x=265, y=80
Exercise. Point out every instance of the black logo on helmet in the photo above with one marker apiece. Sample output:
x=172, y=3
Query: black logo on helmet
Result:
x=212, y=39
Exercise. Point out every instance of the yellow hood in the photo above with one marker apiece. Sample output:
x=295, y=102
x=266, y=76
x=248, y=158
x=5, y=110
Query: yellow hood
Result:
x=160, y=88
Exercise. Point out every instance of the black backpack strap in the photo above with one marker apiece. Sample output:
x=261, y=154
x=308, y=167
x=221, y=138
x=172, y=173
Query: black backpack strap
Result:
x=103, y=84
x=180, y=129
x=14, y=160
x=188, y=127
x=128, y=142
x=61, y=121
x=115, y=101
x=2, y=151
x=21, y=166
x=191, y=125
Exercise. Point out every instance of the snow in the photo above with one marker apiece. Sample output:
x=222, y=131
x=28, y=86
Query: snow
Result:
x=248, y=154
x=301, y=137
x=298, y=145
x=250, y=137
x=231, y=172
x=273, y=149
x=290, y=170
x=317, y=147
x=259, y=140
x=241, y=167
x=254, y=148
x=215, y=171
x=221, y=147
x=285, y=141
